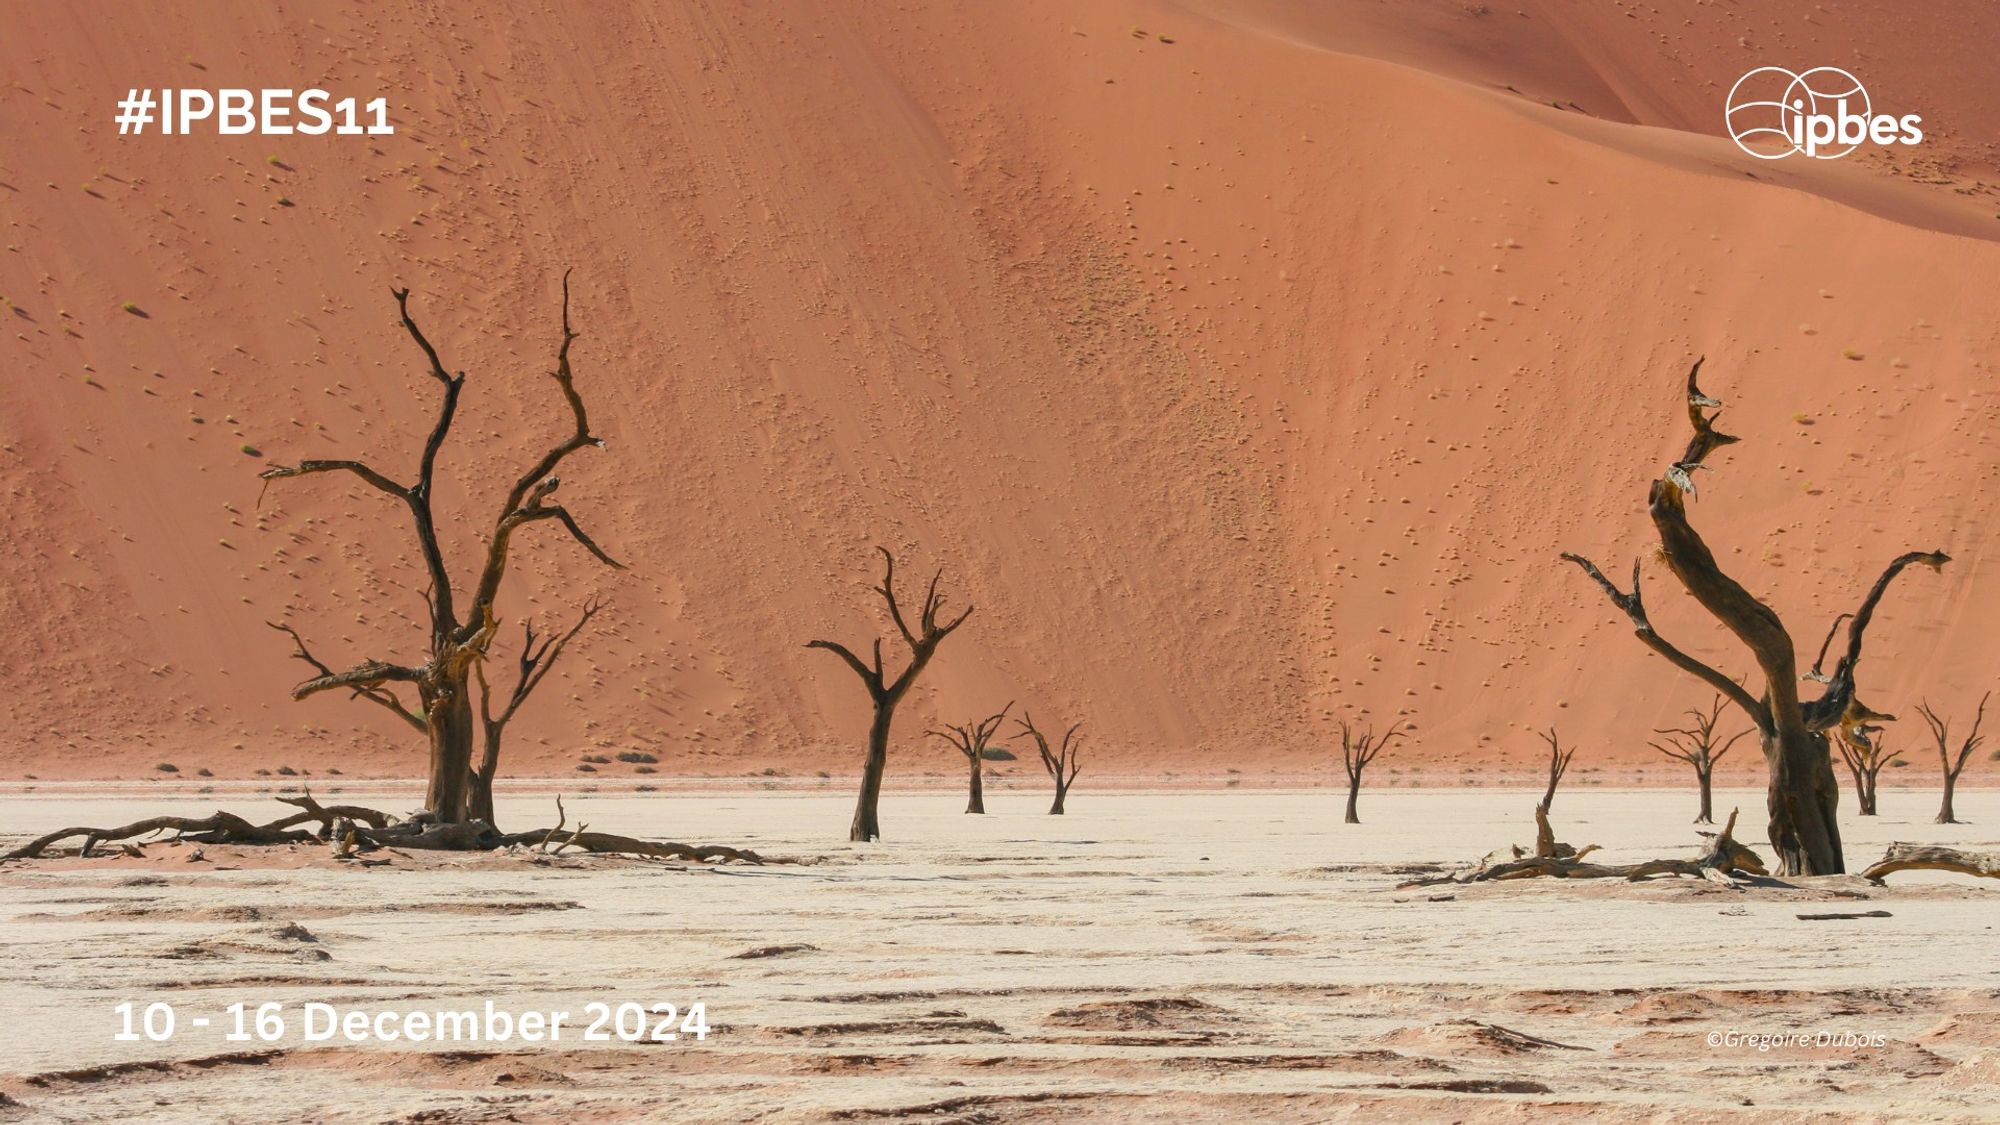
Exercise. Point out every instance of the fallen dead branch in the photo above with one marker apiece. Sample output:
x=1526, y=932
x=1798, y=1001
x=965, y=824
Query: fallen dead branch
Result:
x=353, y=830
x=1922, y=857
x=1719, y=862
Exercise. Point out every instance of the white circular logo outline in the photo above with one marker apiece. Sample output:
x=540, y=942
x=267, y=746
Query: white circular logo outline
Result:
x=1800, y=99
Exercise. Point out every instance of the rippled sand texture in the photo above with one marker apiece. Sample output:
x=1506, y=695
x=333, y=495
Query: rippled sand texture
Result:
x=1195, y=956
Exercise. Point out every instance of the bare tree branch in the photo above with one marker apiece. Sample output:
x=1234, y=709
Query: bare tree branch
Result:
x=538, y=479
x=367, y=674
x=1819, y=662
x=869, y=676
x=307, y=468
x=1837, y=703
x=1635, y=608
x=376, y=694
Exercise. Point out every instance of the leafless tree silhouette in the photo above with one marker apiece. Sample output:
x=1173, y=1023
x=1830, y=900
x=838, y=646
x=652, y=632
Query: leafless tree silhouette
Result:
x=886, y=691
x=971, y=739
x=458, y=641
x=1696, y=745
x=1357, y=750
x=1061, y=763
x=1865, y=751
x=1952, y=764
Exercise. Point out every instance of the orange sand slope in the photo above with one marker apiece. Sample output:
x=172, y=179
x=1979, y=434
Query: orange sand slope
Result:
x=1247, y=364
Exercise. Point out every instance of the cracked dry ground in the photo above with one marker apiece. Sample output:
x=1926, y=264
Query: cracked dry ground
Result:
x=1255, y=962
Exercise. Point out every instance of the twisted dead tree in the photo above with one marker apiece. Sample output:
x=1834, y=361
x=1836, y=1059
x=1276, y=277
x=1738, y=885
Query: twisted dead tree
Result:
x=971, y=740
x=1865, y=752
x=1802, y=794
x=1061, y=763
x=1357, y=750
x=886, y=692
x=1558, y=766
x=537, y=656
x=459, y=638
x=1949, y=763
x=1696, y=745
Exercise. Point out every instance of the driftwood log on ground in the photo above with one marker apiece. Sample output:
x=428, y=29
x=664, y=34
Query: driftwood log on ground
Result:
x=217, y=828
x=352, y=828
x=1719, y=862
x=1922, y=857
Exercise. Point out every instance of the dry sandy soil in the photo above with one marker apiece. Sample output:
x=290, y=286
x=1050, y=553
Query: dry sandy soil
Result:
x=1246, y=362
x=1152, y=957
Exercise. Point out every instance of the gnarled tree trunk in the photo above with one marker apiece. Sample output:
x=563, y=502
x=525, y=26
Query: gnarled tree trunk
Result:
x=450, y=715
x=867, y=823
x=1803, y=800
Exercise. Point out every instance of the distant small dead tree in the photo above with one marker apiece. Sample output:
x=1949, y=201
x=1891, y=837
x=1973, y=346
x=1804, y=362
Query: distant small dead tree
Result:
x=1558, y=766
x=1865, y=751
x=1802, y=795
x=1696, y=745
x=970, y=739
x=1061, y=763
x=458, y=640
x=886, y=692
x=1357, y=750
x=1953, y=764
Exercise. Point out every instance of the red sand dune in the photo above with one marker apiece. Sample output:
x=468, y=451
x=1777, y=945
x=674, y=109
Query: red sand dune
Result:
x=1247, y=363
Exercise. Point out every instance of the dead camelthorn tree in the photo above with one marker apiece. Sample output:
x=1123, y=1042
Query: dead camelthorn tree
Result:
x=458, y=637
x=1558, y=766
x=885, y=692
x=1802, y=794
x=538, y=655
x=1357, y=750
x=1953, y=764
x=1061, y=763
x=1865, y=752
x=970, y=740
x=1696, y=745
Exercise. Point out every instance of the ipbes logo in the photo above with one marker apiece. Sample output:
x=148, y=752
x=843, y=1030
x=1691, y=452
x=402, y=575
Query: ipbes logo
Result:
x=1824, y=113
